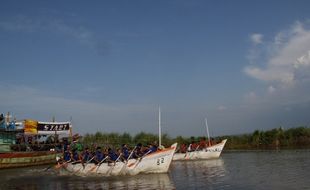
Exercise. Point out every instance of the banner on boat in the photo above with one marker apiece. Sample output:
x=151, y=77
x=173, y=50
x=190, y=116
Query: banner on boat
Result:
x=53, y=128
x=46, y=128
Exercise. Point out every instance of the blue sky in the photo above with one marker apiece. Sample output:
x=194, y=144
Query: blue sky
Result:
x=244, y=65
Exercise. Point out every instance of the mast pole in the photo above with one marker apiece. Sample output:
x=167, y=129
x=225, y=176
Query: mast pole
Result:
x=209, y=142
x=70, y=127
x=159, y=128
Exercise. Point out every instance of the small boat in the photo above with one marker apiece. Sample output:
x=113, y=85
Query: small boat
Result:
x=156, y=162
x=210, y=152
x=23, y=159
x=12, y=158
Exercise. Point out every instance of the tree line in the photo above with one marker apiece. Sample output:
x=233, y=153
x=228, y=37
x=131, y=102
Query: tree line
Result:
x=298, y=137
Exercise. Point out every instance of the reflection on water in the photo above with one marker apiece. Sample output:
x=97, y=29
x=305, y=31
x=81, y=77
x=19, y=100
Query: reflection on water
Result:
x=38, y=178
x=151, y=181
x=198, y=174
x=235, y=170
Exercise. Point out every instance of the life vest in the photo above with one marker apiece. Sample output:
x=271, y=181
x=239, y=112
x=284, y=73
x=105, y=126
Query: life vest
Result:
x=153, y=149
x=203, y=144
x=194, y=146
x=86, y=156
x=183, y=148
x=125, y=152
x=67, y=156
x=112, y=155
x=75, y=156
x=99, y=155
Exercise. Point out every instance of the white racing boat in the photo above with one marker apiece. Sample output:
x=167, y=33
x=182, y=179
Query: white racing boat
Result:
x=157, y=162
x=210, y=152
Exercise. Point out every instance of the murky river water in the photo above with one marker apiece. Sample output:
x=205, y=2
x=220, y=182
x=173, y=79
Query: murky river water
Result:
x=289, y=169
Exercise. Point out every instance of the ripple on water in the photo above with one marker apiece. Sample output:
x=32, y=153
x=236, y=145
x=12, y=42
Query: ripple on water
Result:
x=238, y=170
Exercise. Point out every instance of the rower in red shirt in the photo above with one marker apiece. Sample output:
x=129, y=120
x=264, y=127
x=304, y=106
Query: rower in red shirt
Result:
x=203, y=143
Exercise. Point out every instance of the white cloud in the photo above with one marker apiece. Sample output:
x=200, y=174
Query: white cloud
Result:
x=302, y=61
x=283, y=70
x=278, y=74
x=288, y=59
x=256, y=38
x=254, y=53
x=83, y=35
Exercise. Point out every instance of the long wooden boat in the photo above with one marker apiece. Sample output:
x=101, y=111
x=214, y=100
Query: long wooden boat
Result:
x=210, y=152
x=23, y=159
x=11, y=158
x=157, y=162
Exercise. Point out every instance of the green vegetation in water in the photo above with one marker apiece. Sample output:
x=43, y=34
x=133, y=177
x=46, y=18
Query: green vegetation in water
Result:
x=298, y=137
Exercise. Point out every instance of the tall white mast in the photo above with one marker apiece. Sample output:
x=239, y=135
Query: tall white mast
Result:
x=209, y=142
x=159, y=128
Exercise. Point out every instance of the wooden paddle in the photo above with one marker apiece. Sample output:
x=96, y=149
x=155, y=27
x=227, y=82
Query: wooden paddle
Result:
x=139, y=159
x=128, y=159
x=110, y=171
x=190, y=152
x=49, y=167
x=60, y=165
x=118, y=158
x=90, y=160
x=131, y=153
x=98, y=165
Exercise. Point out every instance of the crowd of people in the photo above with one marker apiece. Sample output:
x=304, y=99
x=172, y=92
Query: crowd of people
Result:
x=76, y=153
x=193, y=146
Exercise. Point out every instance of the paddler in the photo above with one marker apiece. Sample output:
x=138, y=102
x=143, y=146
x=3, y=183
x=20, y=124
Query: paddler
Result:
x=99, y=156
x=152, y=148
x=87, y=155
x=75, y=156
x=145, y=150
x=192, y=147
x=183, y=148
x=125, y=151
x=138, y=151
x=203, y=143
x=67, y=155
x=113, y=156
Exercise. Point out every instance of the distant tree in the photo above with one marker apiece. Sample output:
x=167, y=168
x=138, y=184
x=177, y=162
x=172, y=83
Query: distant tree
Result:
x=181, y=140
x=126, y=138
x=145, y=138
x=166, y=140
x=274, y=138
x=256, y=138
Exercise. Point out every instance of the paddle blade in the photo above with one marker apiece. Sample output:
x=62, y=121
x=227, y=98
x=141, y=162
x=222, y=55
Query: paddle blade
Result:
x=93, y=168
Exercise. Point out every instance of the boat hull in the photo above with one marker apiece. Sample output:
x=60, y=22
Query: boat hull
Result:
x=157, y=162
x=208, y=153
x=23, y=159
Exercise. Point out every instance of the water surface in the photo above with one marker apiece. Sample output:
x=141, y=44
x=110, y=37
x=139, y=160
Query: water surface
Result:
x=288, y=169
